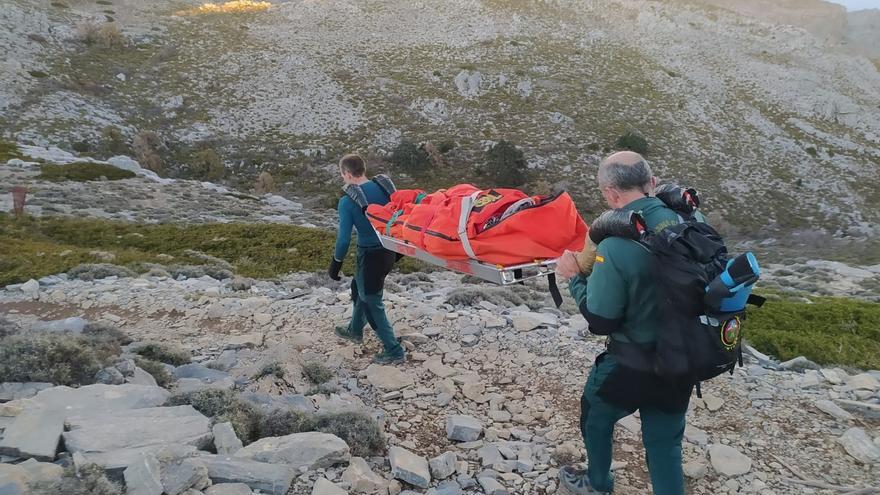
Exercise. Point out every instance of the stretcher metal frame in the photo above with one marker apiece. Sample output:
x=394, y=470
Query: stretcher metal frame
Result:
x=497, y=274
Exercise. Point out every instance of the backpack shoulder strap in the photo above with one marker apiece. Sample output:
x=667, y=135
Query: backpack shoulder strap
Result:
x=357, y=195
x=385, y=183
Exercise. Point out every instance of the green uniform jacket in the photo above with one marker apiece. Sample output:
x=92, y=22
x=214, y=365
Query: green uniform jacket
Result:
x=619, y=298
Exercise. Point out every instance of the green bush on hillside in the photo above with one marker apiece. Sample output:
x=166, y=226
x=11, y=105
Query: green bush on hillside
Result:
x=633, y=141
x=59, y=358
x=505, y=165
x=409, y=157
x=827, y=331
x=82, y=172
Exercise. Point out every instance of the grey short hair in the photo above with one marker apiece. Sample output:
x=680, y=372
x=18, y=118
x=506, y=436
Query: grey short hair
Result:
x=625, y=177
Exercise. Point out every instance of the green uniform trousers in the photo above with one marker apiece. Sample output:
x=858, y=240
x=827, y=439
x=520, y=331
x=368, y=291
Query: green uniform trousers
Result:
x=661, y=434
x=373, y=266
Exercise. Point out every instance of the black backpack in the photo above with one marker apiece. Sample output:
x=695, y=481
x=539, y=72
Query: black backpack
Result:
x=702, y=291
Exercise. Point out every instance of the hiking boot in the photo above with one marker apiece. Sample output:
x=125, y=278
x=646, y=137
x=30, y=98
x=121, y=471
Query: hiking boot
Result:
x=575, y=482
x=347, y=334
x=385, y=358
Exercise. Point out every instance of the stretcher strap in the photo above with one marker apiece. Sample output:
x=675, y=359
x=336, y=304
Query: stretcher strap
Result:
x=554, y=290
x=467, y=204
x=391, y=221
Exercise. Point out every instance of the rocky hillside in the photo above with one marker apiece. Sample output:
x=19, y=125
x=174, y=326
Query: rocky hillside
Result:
x=775, y=122
x=487, y=403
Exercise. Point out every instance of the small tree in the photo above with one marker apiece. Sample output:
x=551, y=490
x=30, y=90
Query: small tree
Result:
x=265, y=184
x=409, y=157
x=208, y=165
x=633, y=141
x=505, y=165
x=146, y=147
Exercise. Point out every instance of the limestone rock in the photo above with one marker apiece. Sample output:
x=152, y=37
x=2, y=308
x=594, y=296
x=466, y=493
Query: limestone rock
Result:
x=15, y=391
x=833, y=409
x=312, y=450
x=110, y=376
x=443, y=466
x=858, y=444
x=463, y=428
x=226, y=442
x=323, y=486
x=31, y=288
x=268, y=478
x=143, y=477
x=491, y=486
x=122, y=430
x=180, y=475
x=864, y=381
x=228, y=489
x=409, y=467
x=728, y=461
x=361, y=478
x=388, y=377
x=695, y=470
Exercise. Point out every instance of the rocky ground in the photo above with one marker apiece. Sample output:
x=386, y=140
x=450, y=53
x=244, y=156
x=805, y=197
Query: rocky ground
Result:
x=145, y=198
x=486, y=403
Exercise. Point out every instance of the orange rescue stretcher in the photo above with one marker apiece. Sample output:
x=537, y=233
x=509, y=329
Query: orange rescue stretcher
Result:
x=503, y=236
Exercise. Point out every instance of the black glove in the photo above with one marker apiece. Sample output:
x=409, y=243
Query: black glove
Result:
x=333, y=271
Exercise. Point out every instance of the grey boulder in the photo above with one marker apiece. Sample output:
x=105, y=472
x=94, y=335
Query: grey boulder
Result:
x=311, y=450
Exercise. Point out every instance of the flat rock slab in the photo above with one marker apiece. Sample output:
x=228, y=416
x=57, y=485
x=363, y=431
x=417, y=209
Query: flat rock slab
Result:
x=34, y=433
x=268, y=478
x=312, y=450
x=728, y=461
x=463, y=428
x=14, y=391
x=226, y=442
x=229, y=489
x=143, y=477
x=323, y=486
x=137, y=428
x=409, y=467
x=99, y=398
x=858, y=444
x=116, y=461
x=388, y=377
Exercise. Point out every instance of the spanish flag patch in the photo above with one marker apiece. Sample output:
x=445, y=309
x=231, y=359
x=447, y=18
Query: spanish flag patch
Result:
x=600, y=259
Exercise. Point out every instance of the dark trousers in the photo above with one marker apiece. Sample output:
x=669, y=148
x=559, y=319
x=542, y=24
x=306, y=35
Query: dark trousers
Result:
x=662, y=433
x=367, y=288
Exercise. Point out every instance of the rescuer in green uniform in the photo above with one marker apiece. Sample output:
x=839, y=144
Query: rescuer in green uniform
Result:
x=613, y=287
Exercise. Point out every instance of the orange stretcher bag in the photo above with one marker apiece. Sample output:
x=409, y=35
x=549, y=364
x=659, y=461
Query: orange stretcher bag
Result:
x=498, y=226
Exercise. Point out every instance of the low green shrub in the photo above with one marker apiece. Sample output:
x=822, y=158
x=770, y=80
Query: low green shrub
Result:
x=316, y=373
x=633, y=141
x=224, y=406
x=90, y=480
x=505, y=165
x=8, y=151
x=827, y=331
x=207, y=165
x=281, y=422
x=104, y=332
x=164, y=353
x=33, y=247
x=270, y=369
x=409, y=157
x=357, y=429
x=59, y=358
x=158, y=371
x=82, y=172
x=97, y=271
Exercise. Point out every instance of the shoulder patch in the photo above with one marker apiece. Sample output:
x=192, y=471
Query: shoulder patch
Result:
x=600, y=258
